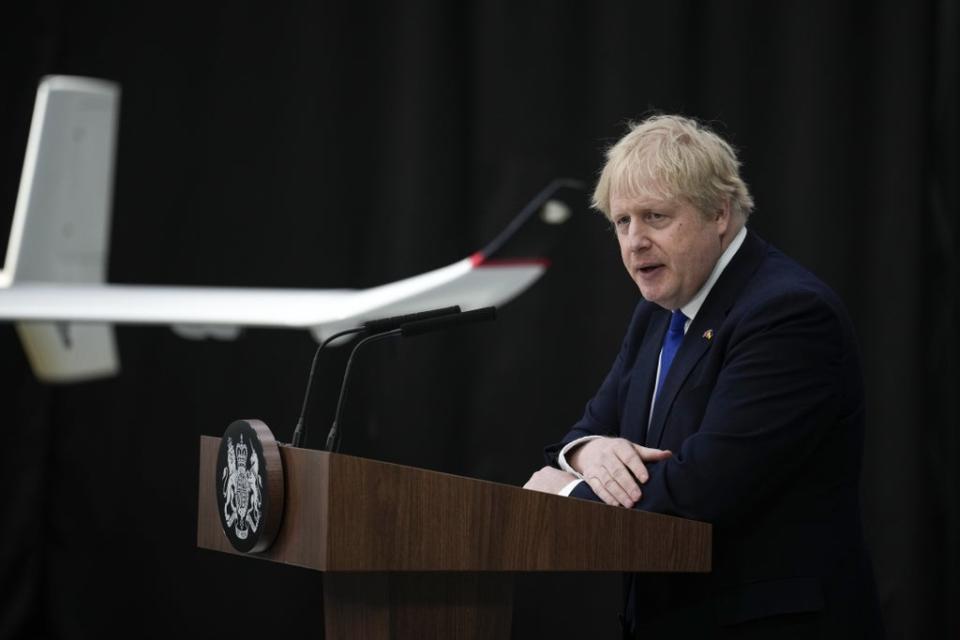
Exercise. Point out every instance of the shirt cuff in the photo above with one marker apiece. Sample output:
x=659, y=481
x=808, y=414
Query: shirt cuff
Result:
x=568, y=489
x=562, y=458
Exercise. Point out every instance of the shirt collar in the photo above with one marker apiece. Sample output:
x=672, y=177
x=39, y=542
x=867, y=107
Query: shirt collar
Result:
x=693, y=307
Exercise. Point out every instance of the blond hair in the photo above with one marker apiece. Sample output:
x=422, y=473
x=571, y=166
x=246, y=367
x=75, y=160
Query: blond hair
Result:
x=672, y=157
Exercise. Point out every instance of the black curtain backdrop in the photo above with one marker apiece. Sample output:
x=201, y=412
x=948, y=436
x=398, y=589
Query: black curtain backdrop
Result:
x=350, y=144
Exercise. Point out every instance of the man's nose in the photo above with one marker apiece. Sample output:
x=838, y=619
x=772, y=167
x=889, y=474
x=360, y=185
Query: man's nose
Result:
x=638, y=238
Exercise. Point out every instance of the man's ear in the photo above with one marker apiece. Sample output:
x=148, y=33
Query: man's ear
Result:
x=724, y=216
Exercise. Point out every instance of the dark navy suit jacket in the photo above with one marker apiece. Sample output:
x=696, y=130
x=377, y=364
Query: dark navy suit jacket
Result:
x=763, y=410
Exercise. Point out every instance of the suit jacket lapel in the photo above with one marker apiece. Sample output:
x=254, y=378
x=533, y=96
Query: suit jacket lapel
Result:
x=636, y=412
x=710, y=316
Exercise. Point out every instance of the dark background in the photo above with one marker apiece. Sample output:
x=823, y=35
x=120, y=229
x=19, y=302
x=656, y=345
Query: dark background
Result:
x=351, y=144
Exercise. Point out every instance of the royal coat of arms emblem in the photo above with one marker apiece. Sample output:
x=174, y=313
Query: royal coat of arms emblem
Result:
x=242, y=488
x=249, y=485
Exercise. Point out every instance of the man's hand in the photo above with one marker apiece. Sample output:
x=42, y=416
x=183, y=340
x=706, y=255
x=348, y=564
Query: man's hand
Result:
x=549, y=480
x=614, y=468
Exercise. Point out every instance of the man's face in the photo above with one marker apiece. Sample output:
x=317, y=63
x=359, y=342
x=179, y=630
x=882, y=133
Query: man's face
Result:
x=668, y=247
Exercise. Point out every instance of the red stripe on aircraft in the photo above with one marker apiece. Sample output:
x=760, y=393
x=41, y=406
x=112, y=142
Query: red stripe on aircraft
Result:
x=480, y=260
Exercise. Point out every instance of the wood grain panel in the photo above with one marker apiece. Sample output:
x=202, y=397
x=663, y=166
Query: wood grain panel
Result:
x=344, y=513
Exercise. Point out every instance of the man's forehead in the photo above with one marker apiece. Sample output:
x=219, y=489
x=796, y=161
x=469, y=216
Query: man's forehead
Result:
x=629, y=202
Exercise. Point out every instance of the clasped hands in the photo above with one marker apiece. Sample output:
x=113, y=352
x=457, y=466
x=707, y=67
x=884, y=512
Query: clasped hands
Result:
x=613, y=467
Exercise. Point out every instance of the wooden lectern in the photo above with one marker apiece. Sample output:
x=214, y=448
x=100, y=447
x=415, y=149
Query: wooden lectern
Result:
x=407, y=552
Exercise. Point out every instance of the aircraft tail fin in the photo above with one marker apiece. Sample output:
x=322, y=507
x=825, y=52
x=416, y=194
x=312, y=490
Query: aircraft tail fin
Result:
x=534, y=231
x=61, y=223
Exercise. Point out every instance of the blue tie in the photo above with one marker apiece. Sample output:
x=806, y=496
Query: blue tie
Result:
x=670, y=345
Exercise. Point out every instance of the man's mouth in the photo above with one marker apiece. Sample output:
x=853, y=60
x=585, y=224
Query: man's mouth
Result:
x=649, y=269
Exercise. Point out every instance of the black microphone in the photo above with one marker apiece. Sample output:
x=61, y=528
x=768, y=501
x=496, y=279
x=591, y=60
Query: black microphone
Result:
x=418, y=327
x=389, y=324
x=379, y=325
x=409, y=329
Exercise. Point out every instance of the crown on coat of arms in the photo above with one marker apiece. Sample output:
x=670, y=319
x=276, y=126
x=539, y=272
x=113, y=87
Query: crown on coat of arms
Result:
x=241, y=451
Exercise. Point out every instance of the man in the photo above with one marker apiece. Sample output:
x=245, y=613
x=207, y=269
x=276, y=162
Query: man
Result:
x=736, y=399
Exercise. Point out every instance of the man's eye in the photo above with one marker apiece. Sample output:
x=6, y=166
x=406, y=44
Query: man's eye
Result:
x=653, y=216
x=622, y=221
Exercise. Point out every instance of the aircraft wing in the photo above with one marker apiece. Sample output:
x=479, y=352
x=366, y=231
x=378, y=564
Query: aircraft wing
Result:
x=469, y=283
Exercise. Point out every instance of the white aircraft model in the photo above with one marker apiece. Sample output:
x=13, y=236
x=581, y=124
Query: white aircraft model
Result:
x=53, y=283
